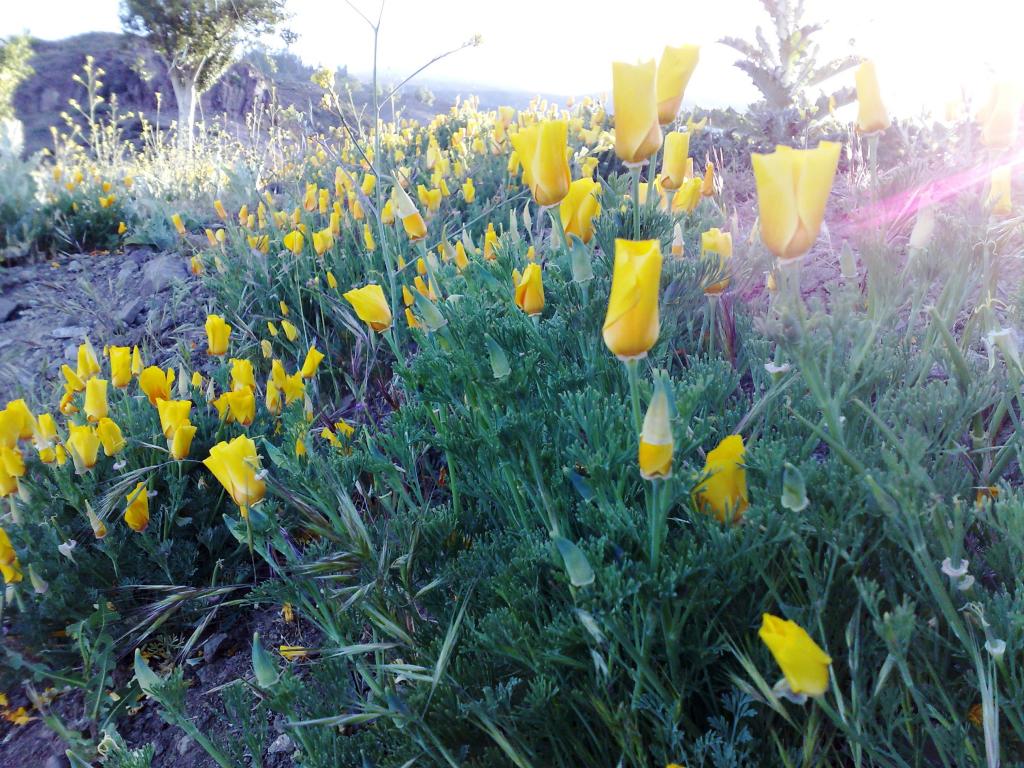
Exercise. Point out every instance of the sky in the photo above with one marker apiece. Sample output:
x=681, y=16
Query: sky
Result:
x=927, y=52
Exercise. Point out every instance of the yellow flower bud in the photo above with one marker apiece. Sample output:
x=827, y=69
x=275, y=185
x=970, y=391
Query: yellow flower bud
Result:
x=804, y=664
x=136, y=515
x=370, y=305
x=580, y=207
x=724, y=491
x=632, y=323
x=218, y=333
x=872, y=115
x=529, y=295
x=674, y=71
x=637, y=131
x=793, y=186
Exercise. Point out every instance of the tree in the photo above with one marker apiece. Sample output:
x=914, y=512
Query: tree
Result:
x=15, y=53
x=198, y=40
x=784, y=74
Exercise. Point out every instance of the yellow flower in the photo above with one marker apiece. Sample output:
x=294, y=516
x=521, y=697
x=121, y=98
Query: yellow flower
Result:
x=293, y=241
x=637, y=132
x=136, y=515
x=371, y=306
x=121, y=227
x=871, y=115
x=332, y=281
x=724, y=491
x=84, y=445
x=106, y=202
x=178, y=225
x=542, y=151
x=707, y=187
x=259, y=243
x=242, y=374
x=674, y=72
x=490, y=243
x=322, y=241
x=530, y=291
x=410, y=319
x=111, y=439
x=95, y=399
x=219, y=207
x=632, y=323
x=720, y=243
x=19, y=419
x=412, y=220
x=181, y=443
x=468, y=191
x=137, y=365
x=197, y=379
x=793, y=186
x=674, y=163
x=461, y=259
x=804, y=664
x=237, y=466
x=120, y=366
x=312, y=362
x=368, y=241
x=656, y=441
x=173, y=414
x=300, y=448
x=290, y=331
x=309, y=202
x=88, y=365
x=241, y=405
x=687, y=196
x=999, y=196
x=156, y=384
x=580, y=207
x=10, y=568
x=999, y=116
x=218, y=333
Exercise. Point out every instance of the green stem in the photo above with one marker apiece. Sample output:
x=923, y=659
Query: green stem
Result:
x=556, y=225
x=635, y=173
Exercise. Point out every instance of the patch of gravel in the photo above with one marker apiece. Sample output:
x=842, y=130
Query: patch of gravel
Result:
x=47, y=309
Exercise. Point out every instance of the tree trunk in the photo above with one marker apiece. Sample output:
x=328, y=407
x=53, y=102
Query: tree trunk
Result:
x=185, y=95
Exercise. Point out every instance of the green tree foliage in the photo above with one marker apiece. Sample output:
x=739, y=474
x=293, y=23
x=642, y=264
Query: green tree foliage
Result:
x=198, y=40
x=785, y=72
x=15, y=53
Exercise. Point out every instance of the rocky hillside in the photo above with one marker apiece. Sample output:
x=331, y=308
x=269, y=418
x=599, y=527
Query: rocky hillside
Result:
x=136, y=74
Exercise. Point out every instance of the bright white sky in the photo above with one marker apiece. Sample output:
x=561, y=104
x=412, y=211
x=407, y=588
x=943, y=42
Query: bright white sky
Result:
x=926, y=51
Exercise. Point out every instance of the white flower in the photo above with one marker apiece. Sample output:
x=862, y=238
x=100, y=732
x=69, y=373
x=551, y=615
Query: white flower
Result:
x=67, y=548
x=773, y=369
x=954, y=573
x=996, y=647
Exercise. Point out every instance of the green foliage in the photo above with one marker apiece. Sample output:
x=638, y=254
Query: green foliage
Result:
x=198, y=38
x=15, y=54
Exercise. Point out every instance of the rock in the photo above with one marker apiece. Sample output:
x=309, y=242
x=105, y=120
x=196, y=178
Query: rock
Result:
x=129, y=311
x=211, y=646
x=127, y=271
x=162, y=272
x=74, y=266
x=184, y=745
x=69, y=331
x=7, y=308
x=282, y=743
x=56, y=762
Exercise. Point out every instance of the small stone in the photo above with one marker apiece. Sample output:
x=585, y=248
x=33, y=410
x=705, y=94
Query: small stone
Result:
x=282, y=743
x=8, y=308
x=74, y=266
x=69, y=332
x=56, y=762
x=162, y=272
x=129, y=311
x=184, y=745
x=212, y=646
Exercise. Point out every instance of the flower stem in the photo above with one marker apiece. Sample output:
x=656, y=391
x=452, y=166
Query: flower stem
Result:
x=635, y=173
